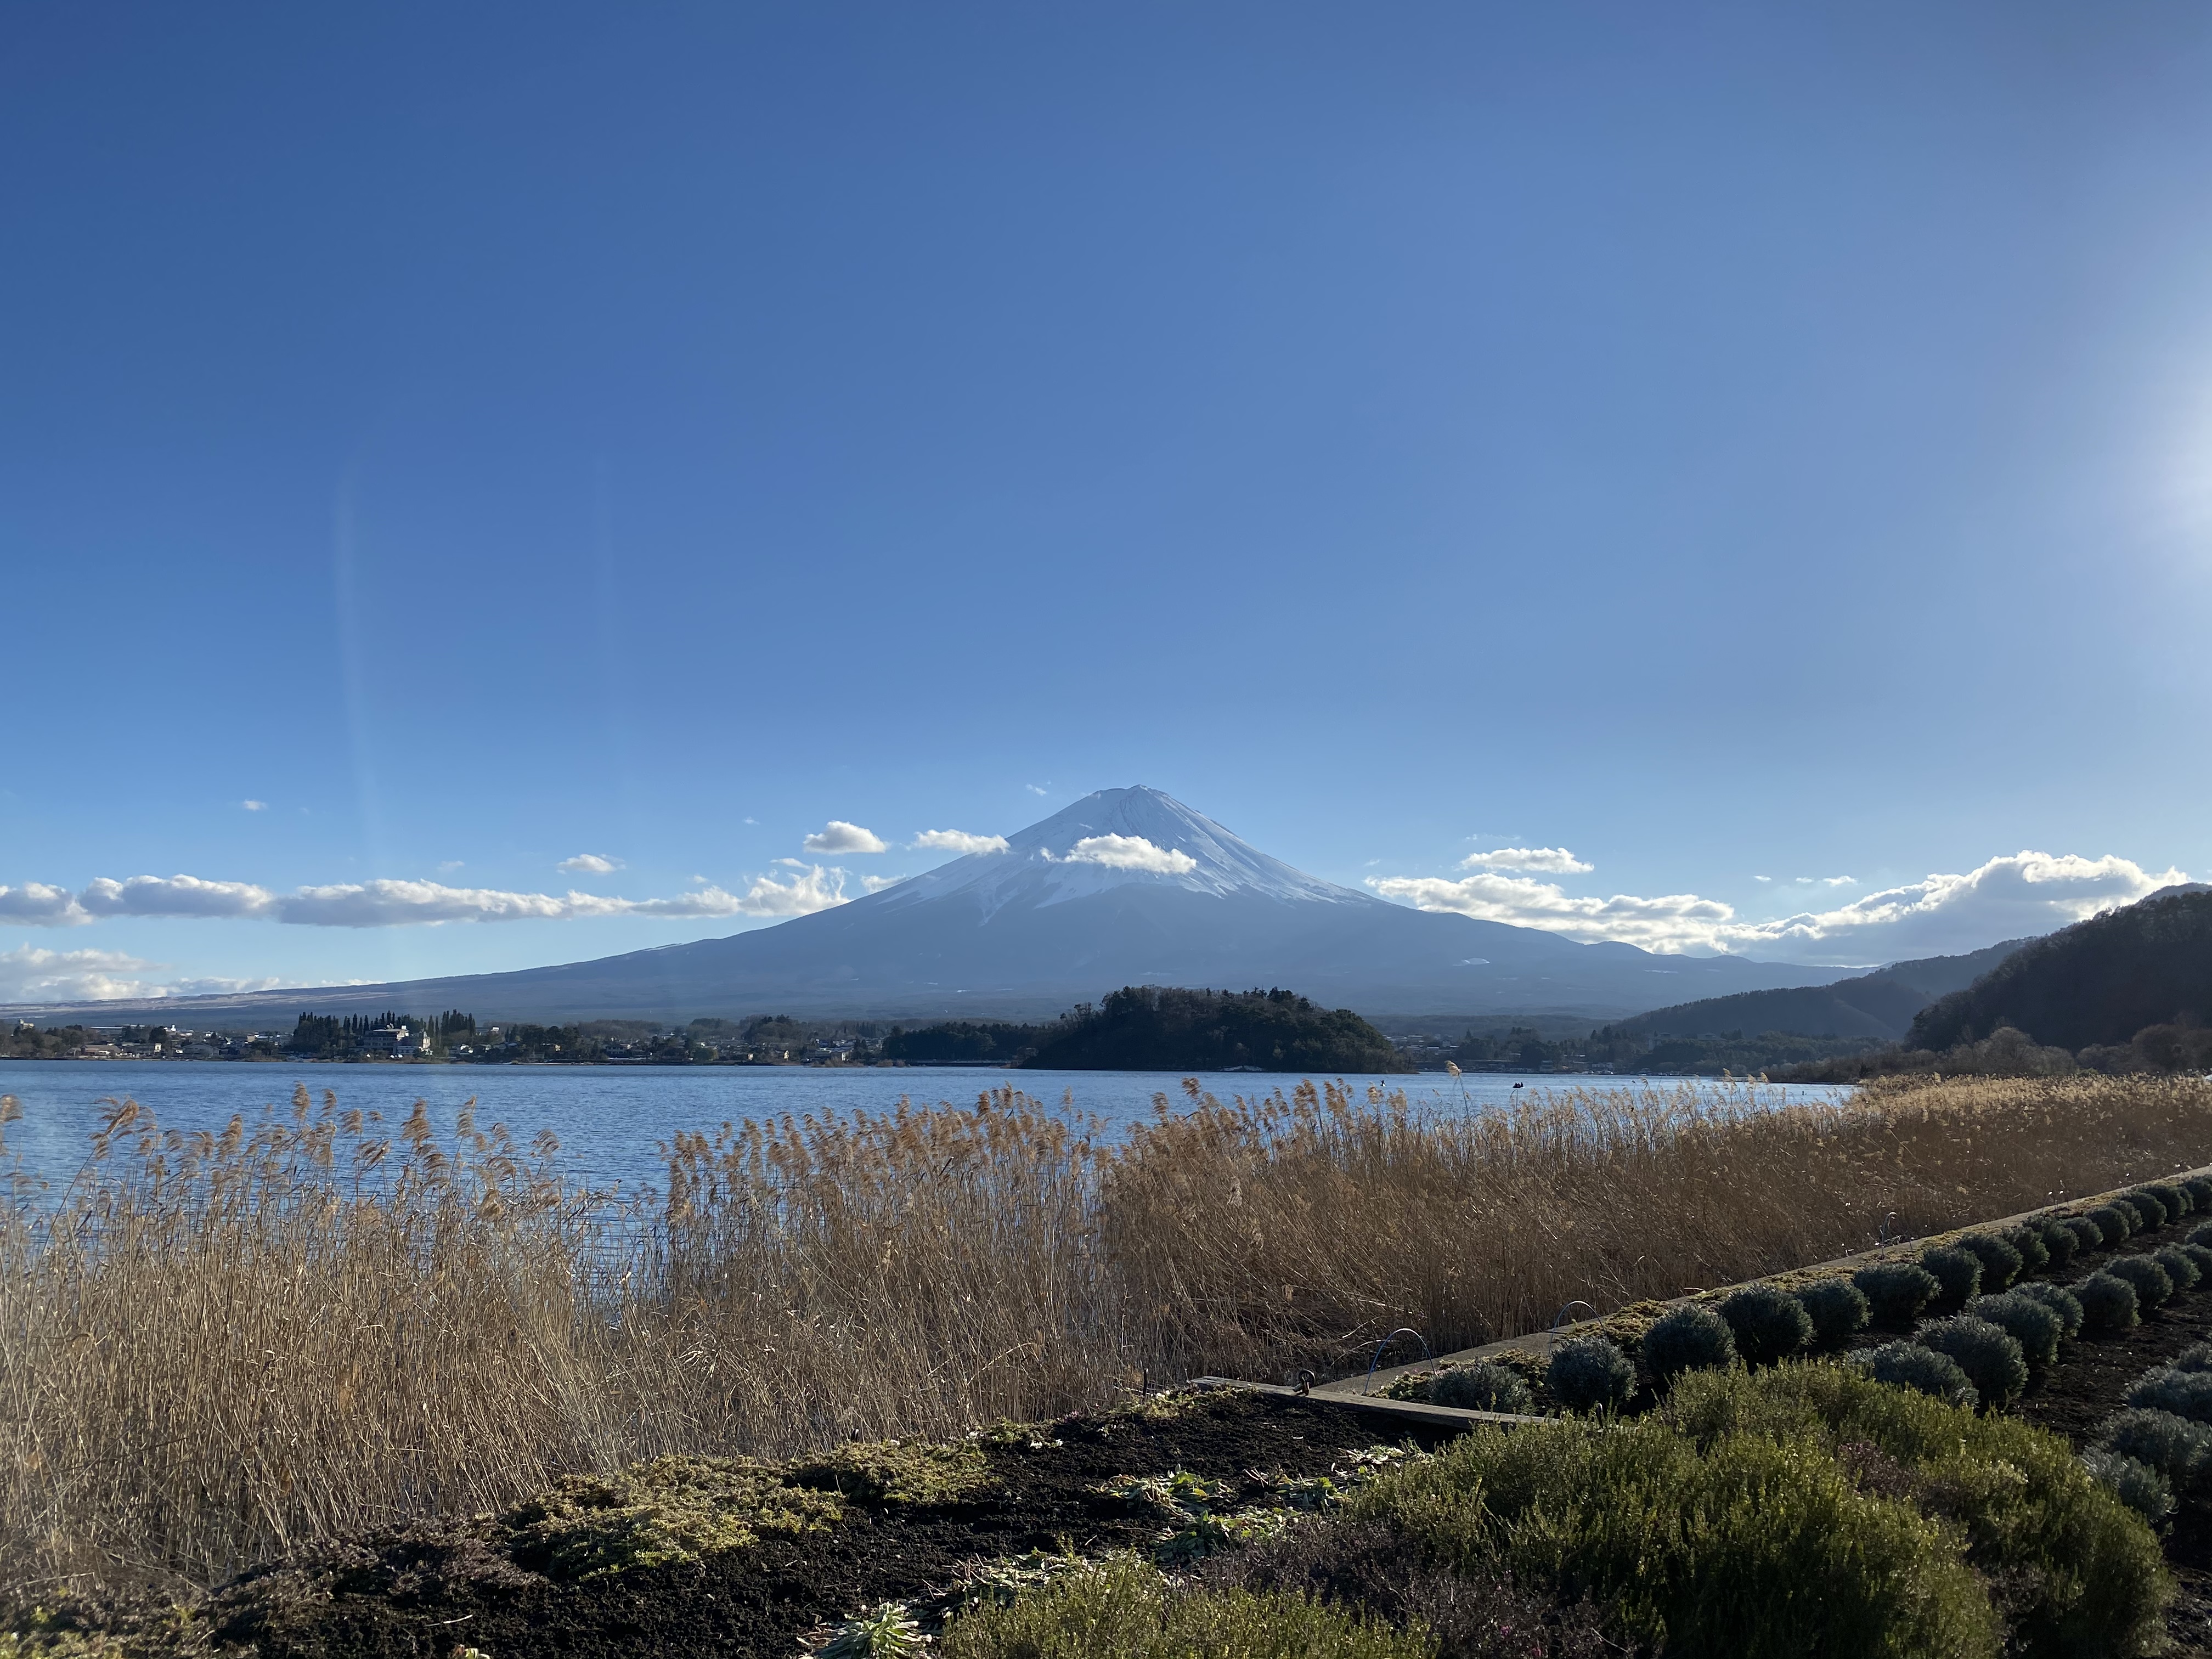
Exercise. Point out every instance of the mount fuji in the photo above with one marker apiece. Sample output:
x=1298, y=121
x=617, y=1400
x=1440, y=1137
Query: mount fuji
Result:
x=1125, y=887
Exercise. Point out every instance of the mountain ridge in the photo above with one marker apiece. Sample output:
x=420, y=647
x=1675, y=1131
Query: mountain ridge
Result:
x=1125, y=887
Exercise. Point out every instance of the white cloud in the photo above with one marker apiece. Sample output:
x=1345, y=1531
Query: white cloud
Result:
x=28, y=973
x=31, y=974
x=1551, y=860
x=175, y=896
x=1036, y=788
x=1839, y=881
x=2024, y=893
x=839, y=836
x=792, y=864
x=589, y=864
x=1676, y=921
x=255, y=806
x=449, y=866
x=1129, y=853
x=876, y=884
x=42, y=906
x=957, y=841
x=820, y=887
x=1762, y=879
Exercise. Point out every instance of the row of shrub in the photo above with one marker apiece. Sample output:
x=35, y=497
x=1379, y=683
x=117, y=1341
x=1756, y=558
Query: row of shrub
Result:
x=2001, y=1325
x=1802, y=1509
x=2160, y=1443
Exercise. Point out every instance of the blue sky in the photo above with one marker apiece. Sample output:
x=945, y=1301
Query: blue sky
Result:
x=1721, y=442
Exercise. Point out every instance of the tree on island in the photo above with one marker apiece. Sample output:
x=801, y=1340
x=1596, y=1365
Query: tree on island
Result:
x=1155, y=1028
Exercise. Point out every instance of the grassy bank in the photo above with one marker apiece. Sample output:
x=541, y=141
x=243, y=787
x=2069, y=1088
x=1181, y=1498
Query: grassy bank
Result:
x=213, y=1348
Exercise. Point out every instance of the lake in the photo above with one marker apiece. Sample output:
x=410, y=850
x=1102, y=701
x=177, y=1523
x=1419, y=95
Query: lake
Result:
x=610, y=1118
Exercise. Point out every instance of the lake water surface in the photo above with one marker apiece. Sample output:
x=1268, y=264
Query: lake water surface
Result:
x=611, y=1118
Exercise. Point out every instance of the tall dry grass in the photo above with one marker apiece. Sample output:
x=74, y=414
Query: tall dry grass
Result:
x=214, y=1348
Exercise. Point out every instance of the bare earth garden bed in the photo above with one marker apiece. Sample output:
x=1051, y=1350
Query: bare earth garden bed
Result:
x=436, y=1589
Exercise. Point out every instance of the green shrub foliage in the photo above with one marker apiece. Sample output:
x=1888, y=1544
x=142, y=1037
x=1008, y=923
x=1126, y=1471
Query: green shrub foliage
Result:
x=2199, y=1257
x=2185, y=1394
x=1691, y=1338
x=2060, y=1242
x=2200, y=1193
x=2138, y=1485
x=2153, y=1289
x=1988, y=1354
x=1126, y=1608
x=1750, y=1545
x=1909, y=1365
x=2177, y=1203
x=1769, y=1325
x=2176, y=1447
x=2026, y=1319
x=2150, y=1214
x=2179, y=1267
x=1590, y=1374
x=2197, y=1356
x=2108, y=1303
x=2001, y=1262
x=2201, y=1234
x=1837, y=1308
x=1482, y=1388
x=2080, y=1574
x=2088, y=1232
x=2061, y=1302
x=2114, y=1223
x=1896, y=1292
x=2034, y=1253
x=1959, y=1272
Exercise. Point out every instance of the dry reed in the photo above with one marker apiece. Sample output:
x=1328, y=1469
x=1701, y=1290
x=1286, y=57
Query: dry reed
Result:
x=214, y=1348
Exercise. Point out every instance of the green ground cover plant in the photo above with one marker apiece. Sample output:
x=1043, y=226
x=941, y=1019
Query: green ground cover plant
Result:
x=1897, y=1291
x=1769, y=1324
x=1750, y=1547
x=2180, y=1267
x=1689, y=1338
x=1837, y=1308
x=1958, y=1273
x=1482, y=1388
x=1590, y=1374
x=2153, y=1287
x=1920, y=1369
x=2178, y=1448
x=2001, y=1260
x=2077, y=1573
x=2029, y=1320
x=2114, y=1222
x=1986, y=1352
x=2061, y=1301
x=1128, y=1609
x=2061, y=1243
x=2028, y=1242
x=2108, y=1303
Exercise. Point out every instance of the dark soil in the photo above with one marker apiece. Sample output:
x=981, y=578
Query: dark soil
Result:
x=429, y=1591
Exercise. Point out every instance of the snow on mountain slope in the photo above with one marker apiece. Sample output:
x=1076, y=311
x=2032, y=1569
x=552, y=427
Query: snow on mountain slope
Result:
x=1101, y=843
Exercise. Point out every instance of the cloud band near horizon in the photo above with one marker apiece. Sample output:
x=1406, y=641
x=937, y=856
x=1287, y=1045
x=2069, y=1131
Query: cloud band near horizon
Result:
x=386, y=904
x=2017, y=896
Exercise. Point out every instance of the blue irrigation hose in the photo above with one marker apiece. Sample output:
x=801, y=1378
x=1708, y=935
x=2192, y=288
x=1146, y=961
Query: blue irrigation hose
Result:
x=1403, y=1330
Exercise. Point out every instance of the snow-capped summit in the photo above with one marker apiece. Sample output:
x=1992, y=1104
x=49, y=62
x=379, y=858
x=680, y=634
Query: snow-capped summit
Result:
x=1117, y=838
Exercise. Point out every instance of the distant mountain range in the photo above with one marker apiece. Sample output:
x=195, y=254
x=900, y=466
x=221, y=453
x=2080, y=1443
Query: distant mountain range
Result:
x=1125, y=887
x=1879, y=1006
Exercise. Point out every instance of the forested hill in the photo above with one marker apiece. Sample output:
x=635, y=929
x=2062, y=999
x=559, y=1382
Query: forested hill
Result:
x=1147, y=1029
x=1879, y=1005
x=2097, y=982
